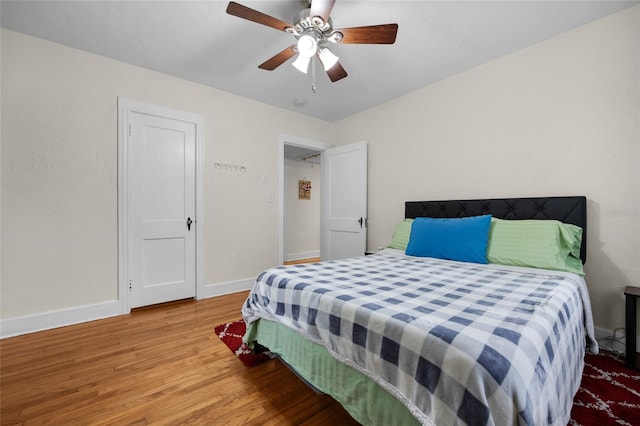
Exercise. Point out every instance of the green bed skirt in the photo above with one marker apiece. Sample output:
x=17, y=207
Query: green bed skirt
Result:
x=363, y=398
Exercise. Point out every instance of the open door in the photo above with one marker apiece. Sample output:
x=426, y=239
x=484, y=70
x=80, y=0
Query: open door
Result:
x=344, y=201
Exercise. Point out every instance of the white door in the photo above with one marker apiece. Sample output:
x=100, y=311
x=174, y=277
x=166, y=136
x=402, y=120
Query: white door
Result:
x=344, y=201
x=162, y=209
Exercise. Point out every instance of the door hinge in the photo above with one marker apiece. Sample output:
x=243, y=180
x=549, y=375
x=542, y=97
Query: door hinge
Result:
x=130, y=132
x=130, y=286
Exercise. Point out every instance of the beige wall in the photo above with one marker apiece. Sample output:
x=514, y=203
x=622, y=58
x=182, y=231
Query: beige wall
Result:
x=59, y=173
x=302, y=217
x=559, y=118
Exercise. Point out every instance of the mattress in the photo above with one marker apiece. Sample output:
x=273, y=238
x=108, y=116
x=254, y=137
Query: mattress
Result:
x=454, y=343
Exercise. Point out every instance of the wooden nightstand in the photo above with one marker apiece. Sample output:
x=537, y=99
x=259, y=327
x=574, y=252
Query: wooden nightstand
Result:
x=631, y=295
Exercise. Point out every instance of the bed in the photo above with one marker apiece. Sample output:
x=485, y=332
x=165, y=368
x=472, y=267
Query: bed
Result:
x=406, y=336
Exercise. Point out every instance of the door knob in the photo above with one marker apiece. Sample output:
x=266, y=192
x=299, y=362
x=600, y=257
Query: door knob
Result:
x=189, y=222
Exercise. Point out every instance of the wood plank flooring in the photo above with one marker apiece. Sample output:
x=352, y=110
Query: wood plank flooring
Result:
x=162, y=365
x=301, y=261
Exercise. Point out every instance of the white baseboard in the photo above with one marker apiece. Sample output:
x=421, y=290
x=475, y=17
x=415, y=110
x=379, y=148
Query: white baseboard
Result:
x=219, y=289
x=302, y=255
x=10, y=327
x=613, y=340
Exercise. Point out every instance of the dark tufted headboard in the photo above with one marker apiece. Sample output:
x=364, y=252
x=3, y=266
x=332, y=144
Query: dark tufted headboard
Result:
x=565, y=209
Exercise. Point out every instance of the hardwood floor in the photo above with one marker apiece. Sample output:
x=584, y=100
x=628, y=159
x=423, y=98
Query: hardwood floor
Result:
x=162, y=365
x=298, y=262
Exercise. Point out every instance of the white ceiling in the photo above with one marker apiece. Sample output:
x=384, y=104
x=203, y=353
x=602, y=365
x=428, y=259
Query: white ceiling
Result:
x=198, y=41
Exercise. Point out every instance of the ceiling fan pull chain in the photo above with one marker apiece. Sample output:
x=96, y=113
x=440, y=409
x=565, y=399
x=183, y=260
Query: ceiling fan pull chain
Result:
x=313, y=76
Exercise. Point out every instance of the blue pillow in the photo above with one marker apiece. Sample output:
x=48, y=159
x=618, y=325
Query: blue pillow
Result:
x=464, y=239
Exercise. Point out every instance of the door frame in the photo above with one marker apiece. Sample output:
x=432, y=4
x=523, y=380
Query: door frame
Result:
x=286, y=139
x=126, y=106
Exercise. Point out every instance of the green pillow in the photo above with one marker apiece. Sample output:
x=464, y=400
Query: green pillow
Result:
x=400, y=237
x=547, y=244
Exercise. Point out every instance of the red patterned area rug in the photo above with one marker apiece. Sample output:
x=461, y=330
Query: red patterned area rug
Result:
x=609, y=393
x=231, y=335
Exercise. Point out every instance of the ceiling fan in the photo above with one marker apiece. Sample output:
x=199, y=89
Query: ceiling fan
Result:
x=313, y=30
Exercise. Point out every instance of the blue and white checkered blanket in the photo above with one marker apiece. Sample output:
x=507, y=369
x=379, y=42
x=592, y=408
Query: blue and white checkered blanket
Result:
x=457, y=343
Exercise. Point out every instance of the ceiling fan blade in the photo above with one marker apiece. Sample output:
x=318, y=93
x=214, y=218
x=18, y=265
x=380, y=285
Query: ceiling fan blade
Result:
x=278, y=59
x=336, y=72
x=373, y=34
x=249, y=14
x=321, y=8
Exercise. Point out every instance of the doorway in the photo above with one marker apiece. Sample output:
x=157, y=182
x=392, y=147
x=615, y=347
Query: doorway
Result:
x=299, y=159
x=343, y=214
x=302, y=192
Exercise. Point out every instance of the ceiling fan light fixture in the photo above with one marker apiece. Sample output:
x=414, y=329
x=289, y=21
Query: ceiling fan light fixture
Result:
x=335, y=37
x=327, y=58
x=312, y=28
x=307, y=45
x=302, y=63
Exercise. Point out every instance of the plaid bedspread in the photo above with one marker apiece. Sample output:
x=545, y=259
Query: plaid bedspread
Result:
x=457, y=343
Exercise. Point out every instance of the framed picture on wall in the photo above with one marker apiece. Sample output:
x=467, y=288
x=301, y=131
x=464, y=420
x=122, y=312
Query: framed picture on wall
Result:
x=304, y=189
